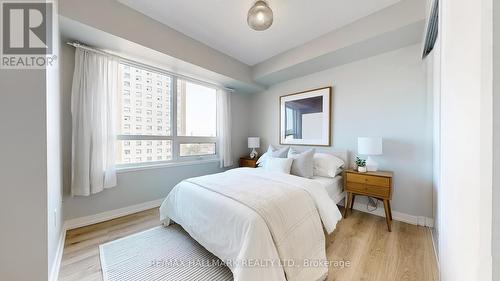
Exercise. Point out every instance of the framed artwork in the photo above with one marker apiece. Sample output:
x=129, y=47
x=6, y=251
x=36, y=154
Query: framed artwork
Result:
x=305, y=118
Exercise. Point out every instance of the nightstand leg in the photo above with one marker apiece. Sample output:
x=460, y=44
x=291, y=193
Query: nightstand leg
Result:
x=390, y=209
x=387, y=214
x=352, y=201
x=348, y=203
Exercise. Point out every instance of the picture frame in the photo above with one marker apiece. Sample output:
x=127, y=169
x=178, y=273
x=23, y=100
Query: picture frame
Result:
x=305, y=117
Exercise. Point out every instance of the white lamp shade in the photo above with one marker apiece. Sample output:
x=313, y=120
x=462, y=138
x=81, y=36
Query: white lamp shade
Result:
x=253, y=142
x=370, y=145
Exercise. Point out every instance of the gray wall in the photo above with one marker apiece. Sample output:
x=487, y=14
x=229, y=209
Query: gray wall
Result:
x=496, y=142
x=136, y=27
x=382, y=96
x=136, y=187
x=31, y=172
x=398, y=25
x=23, y=203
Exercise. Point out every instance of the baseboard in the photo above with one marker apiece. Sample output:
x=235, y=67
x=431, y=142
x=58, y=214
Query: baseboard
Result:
x=113, y=214
x=88, y=220
x=56, y=266
x=109, y=215
x=398, y=216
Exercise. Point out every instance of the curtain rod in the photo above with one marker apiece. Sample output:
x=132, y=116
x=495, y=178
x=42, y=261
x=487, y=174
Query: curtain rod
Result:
x=134, y=62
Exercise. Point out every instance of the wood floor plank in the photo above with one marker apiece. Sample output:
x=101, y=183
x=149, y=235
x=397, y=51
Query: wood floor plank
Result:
x=360, y=248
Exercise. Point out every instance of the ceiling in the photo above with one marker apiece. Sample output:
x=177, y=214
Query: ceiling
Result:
x=221, y=24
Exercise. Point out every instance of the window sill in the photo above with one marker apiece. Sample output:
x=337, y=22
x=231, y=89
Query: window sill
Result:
x=141, y=167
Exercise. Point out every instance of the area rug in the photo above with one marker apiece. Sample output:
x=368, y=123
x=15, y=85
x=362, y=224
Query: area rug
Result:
x=160, y=253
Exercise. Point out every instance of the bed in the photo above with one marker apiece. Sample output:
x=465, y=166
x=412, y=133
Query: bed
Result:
x=263, y=225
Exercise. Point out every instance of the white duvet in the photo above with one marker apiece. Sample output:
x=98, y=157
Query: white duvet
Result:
x=264, y=225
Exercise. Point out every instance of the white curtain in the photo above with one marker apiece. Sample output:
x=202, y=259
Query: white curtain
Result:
x=224, y=128
x=93, y=96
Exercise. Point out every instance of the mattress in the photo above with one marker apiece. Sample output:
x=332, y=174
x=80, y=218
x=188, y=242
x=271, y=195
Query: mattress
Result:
x=333, y=186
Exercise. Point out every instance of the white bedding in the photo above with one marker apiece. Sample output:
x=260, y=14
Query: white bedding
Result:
x=238, y=233
x=333, y=186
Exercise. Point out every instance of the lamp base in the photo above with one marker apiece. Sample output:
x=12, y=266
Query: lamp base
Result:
x=371, y=165
x=253, y=154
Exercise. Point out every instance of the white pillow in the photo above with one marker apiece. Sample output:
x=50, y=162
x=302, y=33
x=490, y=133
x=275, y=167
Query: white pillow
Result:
x=327, y=165
x=282, y=165
x=272, y=152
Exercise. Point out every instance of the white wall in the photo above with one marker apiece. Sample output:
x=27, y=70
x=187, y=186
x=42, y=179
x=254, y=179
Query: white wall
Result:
x=432, y=62
x=433, y=69
x=496, y=141
x=382, y=96
x=54, y=160
x=466, y=140
x=137, y=187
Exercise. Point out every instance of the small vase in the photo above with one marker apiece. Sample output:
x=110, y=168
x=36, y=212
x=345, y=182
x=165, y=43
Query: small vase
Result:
x=362, y=169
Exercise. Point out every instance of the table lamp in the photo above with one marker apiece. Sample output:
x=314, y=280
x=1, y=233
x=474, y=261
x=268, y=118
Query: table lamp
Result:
x=370, y=146
x=253, y=143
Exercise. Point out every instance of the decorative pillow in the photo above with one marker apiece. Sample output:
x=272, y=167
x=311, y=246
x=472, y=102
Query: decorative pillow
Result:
x=327, y=165
x=282, y=165
x=272, y=152
x=302, y=165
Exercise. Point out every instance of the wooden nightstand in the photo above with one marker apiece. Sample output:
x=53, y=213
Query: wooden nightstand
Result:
x=374, y=184
x=248, y=162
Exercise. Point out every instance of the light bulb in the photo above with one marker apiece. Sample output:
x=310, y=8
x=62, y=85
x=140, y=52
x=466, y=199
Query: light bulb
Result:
x=260, y=16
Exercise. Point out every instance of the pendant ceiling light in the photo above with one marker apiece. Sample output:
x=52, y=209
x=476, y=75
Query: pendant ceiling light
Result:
x=260, y=16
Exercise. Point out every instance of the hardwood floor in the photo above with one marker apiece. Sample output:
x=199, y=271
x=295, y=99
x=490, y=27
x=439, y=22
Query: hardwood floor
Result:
x=361, y=241
x=375, y=254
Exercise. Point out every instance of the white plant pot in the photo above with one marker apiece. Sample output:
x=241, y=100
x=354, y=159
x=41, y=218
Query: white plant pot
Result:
x=362, y=169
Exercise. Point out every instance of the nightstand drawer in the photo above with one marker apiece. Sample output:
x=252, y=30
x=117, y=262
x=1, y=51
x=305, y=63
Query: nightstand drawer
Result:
x=370, y=180
x=366, y=189
x=245, y=162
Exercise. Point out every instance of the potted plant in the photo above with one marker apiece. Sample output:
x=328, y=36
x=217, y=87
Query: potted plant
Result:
x=361, y=164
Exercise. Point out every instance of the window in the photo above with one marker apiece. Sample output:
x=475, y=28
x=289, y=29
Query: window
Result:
x=147, y=119
x=134, y=129
x=196, y=106
x=196, y=119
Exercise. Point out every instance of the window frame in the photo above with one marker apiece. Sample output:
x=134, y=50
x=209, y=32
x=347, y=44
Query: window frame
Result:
x=176, y=140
